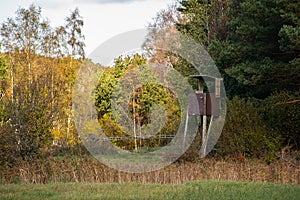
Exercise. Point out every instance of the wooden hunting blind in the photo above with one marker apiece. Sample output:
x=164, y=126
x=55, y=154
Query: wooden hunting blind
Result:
x=201, y=103
x=204, y=104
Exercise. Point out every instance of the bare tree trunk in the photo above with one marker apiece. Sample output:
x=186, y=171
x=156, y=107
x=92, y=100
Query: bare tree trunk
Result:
x=134, y=125
x=12, y=76
x=140, y=131
x=69, y=107
x=12, y=82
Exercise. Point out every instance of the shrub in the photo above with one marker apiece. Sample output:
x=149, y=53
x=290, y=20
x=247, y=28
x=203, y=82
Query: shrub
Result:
x=281, y=112
x=245, y=133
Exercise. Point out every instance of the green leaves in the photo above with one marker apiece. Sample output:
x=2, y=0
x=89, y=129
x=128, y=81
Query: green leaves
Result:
x=3, y=69
x=259, y=45
x=198, y=15
x=131, y=84
x=249, y=72
x=257, y=49
x=245, y=133
x=36, y=79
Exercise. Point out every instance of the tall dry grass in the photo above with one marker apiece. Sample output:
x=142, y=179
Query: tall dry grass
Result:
x=87, y=169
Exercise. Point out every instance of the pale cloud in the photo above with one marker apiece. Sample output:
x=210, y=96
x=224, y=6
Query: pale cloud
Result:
x=105, y=1
x=103, y=19
x=55, y=4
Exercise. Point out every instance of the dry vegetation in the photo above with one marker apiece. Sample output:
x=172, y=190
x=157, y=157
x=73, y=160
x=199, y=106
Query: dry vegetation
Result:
x=87, y=169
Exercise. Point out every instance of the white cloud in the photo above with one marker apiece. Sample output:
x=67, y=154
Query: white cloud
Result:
x=105, y=1
x=55, y=4
x=102, y=20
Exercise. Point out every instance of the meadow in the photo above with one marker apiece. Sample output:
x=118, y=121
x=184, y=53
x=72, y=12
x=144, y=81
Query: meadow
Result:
x=189, y=190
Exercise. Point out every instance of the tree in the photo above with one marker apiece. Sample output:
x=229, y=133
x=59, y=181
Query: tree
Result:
x=290, y=43
x=202, y=21
x=251, y=56
x=21, y=38
x=3, y=75
x=255, y=45
x=41, y=70
x=116, y=83
x=160, y=32
x=27, y=106
x=205, y=19
x=30, y=118
x=75, y=37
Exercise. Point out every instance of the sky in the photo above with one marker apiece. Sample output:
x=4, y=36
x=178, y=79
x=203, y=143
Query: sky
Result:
x=103, y=19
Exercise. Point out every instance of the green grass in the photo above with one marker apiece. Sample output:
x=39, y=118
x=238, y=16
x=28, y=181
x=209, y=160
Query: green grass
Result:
x=192, y=190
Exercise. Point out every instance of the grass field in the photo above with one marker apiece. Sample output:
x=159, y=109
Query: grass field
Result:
x=191, y=190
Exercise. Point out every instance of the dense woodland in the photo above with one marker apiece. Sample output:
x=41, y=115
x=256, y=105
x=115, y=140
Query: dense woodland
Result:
x=254, y=43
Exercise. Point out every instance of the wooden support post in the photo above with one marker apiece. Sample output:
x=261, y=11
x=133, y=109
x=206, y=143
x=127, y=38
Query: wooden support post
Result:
x=186, y=126
x=204, y=124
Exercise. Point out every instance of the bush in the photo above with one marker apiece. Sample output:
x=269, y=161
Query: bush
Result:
x=281, y=112
x=8, y=144
x=245, y=133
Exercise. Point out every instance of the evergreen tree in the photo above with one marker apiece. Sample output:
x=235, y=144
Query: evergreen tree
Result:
x=252, y=56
